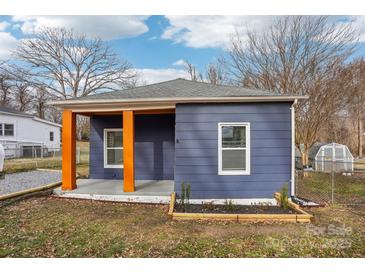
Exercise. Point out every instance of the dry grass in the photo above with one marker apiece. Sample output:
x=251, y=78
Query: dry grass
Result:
x=26, y=164
x=359, y=164
x=50, y=227
x=347, y=189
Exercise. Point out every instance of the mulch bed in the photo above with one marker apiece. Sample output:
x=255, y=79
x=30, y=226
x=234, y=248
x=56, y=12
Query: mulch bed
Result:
x=237, y=209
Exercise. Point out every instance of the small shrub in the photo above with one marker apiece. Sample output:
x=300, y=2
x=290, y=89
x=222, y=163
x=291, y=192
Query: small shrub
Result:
x=182, y=194
x=208, y=206
x=185, y=195
x=284, y=196
x=229, y=205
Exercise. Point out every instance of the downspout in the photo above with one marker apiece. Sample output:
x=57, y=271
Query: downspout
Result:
x=292, y=180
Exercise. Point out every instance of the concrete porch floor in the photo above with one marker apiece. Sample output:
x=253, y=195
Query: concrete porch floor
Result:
x=146, y=191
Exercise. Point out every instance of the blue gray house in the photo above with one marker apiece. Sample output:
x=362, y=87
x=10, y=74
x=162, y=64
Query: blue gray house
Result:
x=228, y=143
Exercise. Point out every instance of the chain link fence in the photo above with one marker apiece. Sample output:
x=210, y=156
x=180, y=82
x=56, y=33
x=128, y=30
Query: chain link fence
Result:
x=41, y=157
x=334, y=186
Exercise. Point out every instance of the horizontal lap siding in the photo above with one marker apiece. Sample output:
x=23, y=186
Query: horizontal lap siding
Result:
x=154, y=147
x=196, y=149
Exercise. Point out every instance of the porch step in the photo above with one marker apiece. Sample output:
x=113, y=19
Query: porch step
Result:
x=150, y=199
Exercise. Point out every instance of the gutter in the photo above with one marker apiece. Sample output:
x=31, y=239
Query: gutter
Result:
x=17, y=114
x=292, y=180
x=178, y=100
x=46, y=122
x=146, y=103
x=35, y=118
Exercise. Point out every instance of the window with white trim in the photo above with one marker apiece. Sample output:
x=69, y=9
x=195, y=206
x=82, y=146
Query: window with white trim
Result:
x=8, y=129
x=113, y=148
x=234, y=148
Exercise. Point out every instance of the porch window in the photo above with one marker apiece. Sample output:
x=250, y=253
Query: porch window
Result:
x=113, y=148
x=234, y=148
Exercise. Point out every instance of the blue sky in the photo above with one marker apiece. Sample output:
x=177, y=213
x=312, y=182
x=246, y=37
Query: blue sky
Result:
x=155, y=45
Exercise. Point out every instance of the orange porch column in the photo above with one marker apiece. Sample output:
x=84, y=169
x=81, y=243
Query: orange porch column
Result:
x=68, y=150
x=128, y=150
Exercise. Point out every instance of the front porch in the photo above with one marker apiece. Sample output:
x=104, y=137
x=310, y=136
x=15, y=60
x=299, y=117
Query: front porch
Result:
x=146, y=191
x=131, y=156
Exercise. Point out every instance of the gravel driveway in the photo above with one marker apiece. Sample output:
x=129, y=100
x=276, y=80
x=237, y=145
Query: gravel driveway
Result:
x=26, y=180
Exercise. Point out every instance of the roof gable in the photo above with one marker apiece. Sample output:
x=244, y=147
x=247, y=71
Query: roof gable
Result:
x=166, y=95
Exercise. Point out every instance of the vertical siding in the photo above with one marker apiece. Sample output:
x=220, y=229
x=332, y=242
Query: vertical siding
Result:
x=196, y=154
x=154, y=147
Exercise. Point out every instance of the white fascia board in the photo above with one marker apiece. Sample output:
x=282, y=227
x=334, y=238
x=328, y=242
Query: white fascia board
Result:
x=46, y=122
x=169, y=102
x=17, y=114
x=180, y=99
x=25, y=115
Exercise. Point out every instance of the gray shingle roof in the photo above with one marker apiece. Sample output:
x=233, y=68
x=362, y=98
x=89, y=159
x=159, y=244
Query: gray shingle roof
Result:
x=178, y=88
x=8, y=110
x=13, y=111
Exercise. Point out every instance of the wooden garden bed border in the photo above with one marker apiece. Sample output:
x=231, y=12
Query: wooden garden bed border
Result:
x=301, y=217
x=28, y=191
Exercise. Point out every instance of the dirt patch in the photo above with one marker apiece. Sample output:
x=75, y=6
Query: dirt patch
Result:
x=233, y=209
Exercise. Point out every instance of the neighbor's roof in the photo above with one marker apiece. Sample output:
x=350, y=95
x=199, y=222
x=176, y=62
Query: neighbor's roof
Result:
x=178, y=91
x=10, y=111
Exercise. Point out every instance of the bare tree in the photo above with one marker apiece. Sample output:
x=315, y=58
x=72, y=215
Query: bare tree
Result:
x=5, y=89
x=69, y=65
x=53, y=115
x=214, y=73
x=5, y=85
x=297, y=55
x=194, y=74
x=83, y=127
x=23, y=96
x=40, y=99
x=356, y=106
x=19, y=93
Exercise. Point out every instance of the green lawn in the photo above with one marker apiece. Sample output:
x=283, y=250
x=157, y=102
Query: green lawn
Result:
x=51, y=227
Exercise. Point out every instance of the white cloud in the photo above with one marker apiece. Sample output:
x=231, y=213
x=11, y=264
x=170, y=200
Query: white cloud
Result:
x=105, y=27
x=151, y=76
x=217, y=31
x=210, y=31
x=4, y=25
x=359, y=24
x=179, y=63
x=8, y=43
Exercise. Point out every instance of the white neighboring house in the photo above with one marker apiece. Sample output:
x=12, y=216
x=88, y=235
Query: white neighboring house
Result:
x=25, y=135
